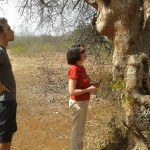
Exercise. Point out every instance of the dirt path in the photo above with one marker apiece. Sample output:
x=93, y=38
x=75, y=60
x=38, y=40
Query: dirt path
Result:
x=41, y=125
x=45, y=125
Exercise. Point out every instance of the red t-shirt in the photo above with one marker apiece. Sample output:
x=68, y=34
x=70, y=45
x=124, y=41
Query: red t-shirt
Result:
x=79, y=73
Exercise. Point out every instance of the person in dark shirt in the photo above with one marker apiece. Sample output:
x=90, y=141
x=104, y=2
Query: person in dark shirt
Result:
x=8, y=125
x=80, y=87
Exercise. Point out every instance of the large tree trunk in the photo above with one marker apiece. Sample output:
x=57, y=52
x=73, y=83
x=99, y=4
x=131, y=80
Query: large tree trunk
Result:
x=127, y=24
x=146, y=30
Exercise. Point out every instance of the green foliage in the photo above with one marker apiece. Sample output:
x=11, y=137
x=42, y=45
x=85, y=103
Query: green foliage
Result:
x=38, y=43
x=119, y=87
x=84, y=34
x=126, y=99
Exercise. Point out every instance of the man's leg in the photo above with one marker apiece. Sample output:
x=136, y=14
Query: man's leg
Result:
x=5, y=143
x=5, y=146
x=8, y=124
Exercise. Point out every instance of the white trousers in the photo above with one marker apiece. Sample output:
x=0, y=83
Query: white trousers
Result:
x=79, y=113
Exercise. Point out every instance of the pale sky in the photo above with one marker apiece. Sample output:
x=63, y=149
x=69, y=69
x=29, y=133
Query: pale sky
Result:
x=8, y=10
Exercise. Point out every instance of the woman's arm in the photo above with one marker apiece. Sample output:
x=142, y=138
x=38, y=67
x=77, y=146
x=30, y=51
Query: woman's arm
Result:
x=96, y=84
x=76, y=92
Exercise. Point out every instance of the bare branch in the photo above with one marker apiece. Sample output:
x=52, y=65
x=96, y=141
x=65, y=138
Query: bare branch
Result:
x=95, y=5
x=76, y=4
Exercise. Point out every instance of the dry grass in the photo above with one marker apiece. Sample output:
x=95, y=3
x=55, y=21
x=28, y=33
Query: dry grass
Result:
x=44, y=120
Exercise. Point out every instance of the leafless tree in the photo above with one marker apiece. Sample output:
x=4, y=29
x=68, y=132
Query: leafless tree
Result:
x=126, y=24
x=59, y=15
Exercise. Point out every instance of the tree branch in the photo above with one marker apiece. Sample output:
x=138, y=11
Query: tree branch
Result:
x=95, y=5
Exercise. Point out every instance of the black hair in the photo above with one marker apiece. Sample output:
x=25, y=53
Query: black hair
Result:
x=2, y=22
x=73, y=54
x=1, y=29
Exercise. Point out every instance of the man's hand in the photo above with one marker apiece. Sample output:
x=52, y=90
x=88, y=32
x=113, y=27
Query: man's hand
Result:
x=3, y=88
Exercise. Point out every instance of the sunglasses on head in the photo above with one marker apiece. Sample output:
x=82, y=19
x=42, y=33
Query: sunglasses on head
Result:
x=83, y=51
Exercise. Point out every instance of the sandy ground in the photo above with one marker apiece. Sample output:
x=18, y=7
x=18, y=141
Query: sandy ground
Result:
x=44, y=124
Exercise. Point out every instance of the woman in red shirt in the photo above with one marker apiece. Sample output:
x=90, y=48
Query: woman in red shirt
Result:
x=79, y=91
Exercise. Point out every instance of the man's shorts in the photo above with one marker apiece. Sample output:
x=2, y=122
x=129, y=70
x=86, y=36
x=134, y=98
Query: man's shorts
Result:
x=8, y=123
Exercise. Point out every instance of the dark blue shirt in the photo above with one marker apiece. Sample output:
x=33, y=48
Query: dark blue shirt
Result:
x=7, y=77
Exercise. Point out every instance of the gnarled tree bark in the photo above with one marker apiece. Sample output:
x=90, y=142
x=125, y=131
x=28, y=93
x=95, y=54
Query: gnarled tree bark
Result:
x=127, y=24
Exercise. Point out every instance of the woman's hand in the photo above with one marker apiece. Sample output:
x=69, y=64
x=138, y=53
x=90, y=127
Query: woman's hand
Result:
x=76, y=92
x=3, y=88
x=93, y=88
x=96, y=84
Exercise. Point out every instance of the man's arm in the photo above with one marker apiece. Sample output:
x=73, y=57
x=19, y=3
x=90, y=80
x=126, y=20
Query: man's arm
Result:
x=3, y=88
